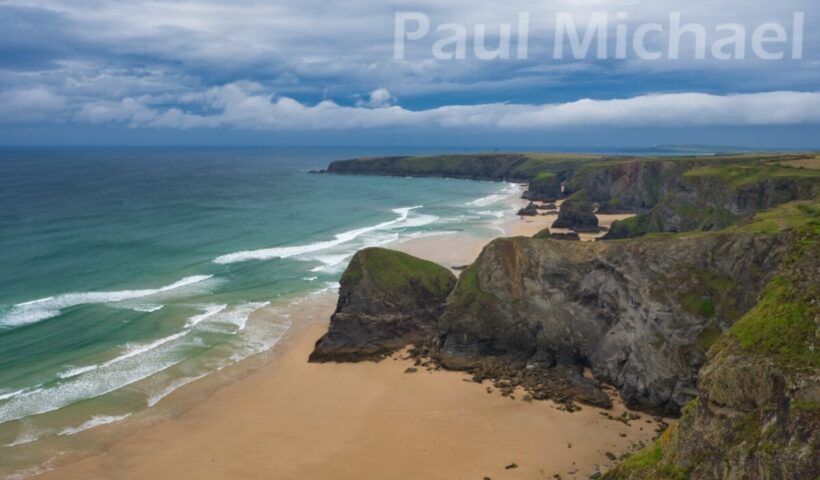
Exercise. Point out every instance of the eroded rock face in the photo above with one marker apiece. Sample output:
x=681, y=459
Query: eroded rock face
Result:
x=387, y=300
x=757, y=414
x=640, y=314
x=577, y=213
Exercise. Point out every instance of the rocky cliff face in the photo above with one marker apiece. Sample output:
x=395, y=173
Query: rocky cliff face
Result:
x=677, y=196
x=670, y=194
x=639, y=314
x=757, y=416
x=577, y=213
x=387, y=300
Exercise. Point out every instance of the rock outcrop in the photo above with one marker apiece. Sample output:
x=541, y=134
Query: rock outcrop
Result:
x=529, y=211
x=639, y=314
x=387, y=300
x=577, y=213
x=758, y=413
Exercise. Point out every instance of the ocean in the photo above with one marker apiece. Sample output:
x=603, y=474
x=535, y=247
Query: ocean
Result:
x=126, y=273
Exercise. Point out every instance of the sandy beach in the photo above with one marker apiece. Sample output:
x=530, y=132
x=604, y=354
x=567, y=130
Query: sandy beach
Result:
x=295, y=420
x=290, y=419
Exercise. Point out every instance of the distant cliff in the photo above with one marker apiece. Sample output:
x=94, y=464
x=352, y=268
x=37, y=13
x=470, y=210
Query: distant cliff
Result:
x=670, y=194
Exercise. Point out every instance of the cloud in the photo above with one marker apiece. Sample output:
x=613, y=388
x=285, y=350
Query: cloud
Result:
x=308, y=64
x=247, y=106
x=35, y=104
x=379, y=97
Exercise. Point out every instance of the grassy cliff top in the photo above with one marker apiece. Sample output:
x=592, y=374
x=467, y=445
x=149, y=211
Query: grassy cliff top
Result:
x=739, y=175
x=539, y=166
x=396, y=271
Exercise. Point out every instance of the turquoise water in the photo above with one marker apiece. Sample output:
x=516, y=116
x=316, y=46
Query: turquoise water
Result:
x=125, y=273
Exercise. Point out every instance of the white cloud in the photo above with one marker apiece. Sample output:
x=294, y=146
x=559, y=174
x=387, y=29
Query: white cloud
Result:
x=247, y=106
x=380, y=97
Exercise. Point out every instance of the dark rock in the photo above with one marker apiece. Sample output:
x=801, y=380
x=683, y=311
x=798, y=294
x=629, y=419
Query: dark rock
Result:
x=387, y=300
x=511, y=466
x=611, y=456
x=757, y=413
x=411, y=370
x=543, y=234
x=630, y=311
x=571, y=236
x=528, y=211
x=577, y=213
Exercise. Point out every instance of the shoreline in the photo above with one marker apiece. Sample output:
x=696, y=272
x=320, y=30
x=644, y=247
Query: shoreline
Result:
x=214, y=401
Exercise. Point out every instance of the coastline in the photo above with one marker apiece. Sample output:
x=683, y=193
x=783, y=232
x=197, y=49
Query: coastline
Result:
x=283, y=417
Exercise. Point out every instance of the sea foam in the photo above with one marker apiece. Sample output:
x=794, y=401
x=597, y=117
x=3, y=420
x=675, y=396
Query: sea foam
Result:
x=95, y=421
x=403, y=221
x=44, y=308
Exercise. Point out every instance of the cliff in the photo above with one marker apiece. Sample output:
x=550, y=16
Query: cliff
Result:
x=757, y=414
x=545, y=173
x=640, y=313
x=387, y=300
x=670, y=194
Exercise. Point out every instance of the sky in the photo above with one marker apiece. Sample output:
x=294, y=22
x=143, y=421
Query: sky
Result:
x=313, y=72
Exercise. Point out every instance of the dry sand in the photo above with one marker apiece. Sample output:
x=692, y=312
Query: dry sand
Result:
x=293, y=420
x=529, y=226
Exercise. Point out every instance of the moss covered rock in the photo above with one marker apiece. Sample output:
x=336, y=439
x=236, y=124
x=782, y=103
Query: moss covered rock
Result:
x=758, y=413
x=387, y=300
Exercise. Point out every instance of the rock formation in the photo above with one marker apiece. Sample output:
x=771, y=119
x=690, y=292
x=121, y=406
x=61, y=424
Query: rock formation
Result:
x=639, y=314
x=757, y=413
x=387, y=300
x=577, y=213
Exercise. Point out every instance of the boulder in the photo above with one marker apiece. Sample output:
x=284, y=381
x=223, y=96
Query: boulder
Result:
x=528, y=211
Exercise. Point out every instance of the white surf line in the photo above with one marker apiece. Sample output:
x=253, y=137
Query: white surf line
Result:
x=344, y=237
x=132, y=351
x=44, y=308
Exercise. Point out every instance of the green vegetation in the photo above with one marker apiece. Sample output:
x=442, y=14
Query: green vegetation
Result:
x=709, y=336
x=648, y=463
x=801, y=215
x=631, y=227
x=544, y=176
x=781, y=325
x=806, y=406
x=395, y=270
x=469, y=292
x=739, y=175
x=543, y=234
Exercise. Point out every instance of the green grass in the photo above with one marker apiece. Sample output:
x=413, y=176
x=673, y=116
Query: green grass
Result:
x=739, y=175
x=394, y=270
x=709, y=336
x=806, y=406
x=781, y=325
x=544, y=176
x=801, y=215
x=543, y=234
x=648, y=463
